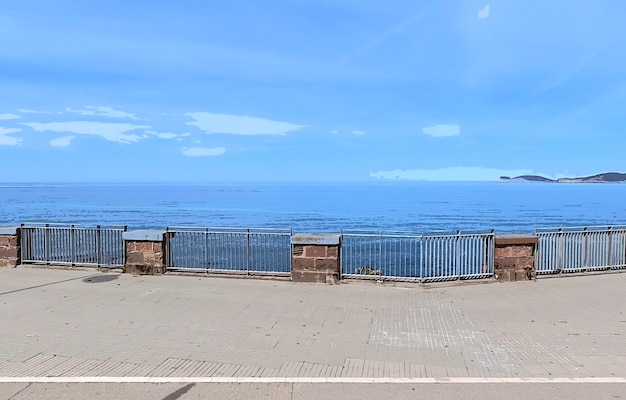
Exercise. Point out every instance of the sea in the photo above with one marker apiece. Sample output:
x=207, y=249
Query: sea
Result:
x=320, y=207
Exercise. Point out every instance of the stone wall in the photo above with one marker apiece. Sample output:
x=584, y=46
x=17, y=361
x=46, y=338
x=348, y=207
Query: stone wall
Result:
x=9, y=247
x=315, y=258
x=144, y=252
x=515, y=258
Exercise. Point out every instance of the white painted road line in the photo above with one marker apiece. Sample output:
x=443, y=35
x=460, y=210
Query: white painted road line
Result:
x=148, y=379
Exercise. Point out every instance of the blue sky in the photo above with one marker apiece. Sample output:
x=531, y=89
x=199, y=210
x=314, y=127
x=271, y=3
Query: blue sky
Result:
x=314, y=90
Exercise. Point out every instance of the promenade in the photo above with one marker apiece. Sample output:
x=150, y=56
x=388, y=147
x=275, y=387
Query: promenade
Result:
x=67, y=324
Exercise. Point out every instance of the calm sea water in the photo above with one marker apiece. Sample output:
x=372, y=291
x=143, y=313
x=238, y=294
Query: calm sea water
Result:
x=316, y=207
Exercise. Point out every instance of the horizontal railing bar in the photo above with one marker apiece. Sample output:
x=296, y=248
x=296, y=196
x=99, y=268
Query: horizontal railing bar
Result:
x=223, y=228
x=375, y=235
x=235, y=233
x=418, y=237
x=597, y=228
x=63, y=226
x=416, y=233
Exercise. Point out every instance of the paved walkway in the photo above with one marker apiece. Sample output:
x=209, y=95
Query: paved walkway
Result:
x=73, y=323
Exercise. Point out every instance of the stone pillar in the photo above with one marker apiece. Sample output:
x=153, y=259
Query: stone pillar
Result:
x=144, y=252
x=515, y=258
x=9, y=247
x=315, y=258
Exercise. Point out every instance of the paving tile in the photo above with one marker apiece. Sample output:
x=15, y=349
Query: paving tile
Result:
x=185, y=326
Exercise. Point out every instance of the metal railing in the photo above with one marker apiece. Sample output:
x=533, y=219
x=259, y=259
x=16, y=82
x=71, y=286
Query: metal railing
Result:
x=72, y=245
x=251, y=251
x=579, y=249
x=405, y=256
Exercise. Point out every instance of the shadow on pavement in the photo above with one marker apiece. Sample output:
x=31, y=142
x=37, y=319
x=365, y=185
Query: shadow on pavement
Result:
x=101, y=278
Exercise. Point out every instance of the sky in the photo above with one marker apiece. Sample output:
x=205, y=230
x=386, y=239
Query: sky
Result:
x=310, y=90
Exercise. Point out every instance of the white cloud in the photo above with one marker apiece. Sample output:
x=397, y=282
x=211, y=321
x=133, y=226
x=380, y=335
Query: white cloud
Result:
x=9, y=116
x=110, y=132
x=239, y=124
x=334, y=132
x=102, y=111
x=165, y=135
x=62, y=141
x=182, y=135
x=203, y=151
x=358, y=133
x=450, y=174
x=442, y=130
x=484, y=13
x=25, y=111
x=9, y=140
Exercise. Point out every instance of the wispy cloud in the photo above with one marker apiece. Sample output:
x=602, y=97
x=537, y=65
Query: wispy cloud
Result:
x=109, y=131
x=391, y=31
x=442, y=130
x=449, y=174
x=9, y=116
x=484, y=13
x=358, y=133
x=102, y=111
x=167, y=135
x=239, y=124
x=6, y=140
x=26, y=111
x=62, y=141
x=334, y=132
x=203, y=151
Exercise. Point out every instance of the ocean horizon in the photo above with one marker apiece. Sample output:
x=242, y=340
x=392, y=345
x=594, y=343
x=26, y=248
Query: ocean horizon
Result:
x=415, y=206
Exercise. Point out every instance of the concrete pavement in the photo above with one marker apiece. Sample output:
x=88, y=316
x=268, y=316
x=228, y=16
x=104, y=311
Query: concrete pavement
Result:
x=313, y=391
x=73, y=323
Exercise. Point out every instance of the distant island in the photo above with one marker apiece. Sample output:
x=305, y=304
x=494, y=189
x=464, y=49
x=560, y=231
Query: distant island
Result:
x=607, y=177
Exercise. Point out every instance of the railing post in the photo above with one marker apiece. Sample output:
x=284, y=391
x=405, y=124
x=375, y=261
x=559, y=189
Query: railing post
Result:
x=73, y=241
x=622, y=255
x=23, y=242
x=98, y=245
x=248, y=251
x=560, y=252
x=166, y=248
x=586, y=250
x=487, y=253
x=207, y=263
x=421, y=256
x=291, y=253
x=46, y=249
x=457, y=255
x=609, y=246
x=492, y=251
x=121, y=245
x=380, y=251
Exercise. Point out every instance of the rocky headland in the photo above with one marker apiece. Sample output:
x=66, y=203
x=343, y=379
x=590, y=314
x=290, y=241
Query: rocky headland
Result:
x=607, y=177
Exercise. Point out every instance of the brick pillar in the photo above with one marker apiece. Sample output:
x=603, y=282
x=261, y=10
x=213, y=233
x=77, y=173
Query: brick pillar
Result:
x=144, y=252
x=315, y=258
x=9, y=247
x=515, y=258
